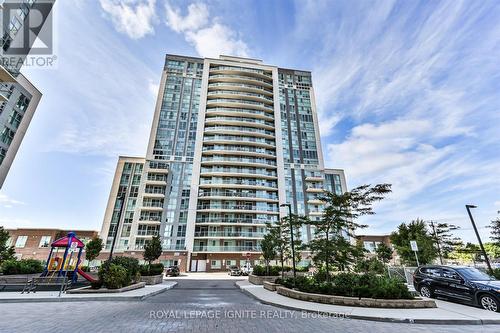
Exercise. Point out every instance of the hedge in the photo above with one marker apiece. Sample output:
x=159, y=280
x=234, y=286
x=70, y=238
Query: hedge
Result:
x=23, y=266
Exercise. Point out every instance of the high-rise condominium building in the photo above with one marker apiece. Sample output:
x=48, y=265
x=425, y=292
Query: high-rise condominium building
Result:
x=232, y=140
x=18, y=97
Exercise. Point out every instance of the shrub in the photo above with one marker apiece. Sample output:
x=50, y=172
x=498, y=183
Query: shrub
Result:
x=302, y=269
x=155, y=269
x=259, y=270
x=23, y=266
x=115, y=276
x=351, y=284
x=496, y=273
x=131, y=265
x=372, y=265
x=262, y=270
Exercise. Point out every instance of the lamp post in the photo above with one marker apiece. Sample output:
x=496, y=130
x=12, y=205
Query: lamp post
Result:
x=291, y=238
x=121, y=197
x=468, y=207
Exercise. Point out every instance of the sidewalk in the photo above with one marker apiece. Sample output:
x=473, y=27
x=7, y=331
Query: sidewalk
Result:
x=445, y=314
x=52, y=296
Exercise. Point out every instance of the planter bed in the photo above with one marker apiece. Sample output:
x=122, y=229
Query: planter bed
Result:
x=354, y=301
x=271, y=286
x=255, y=279
x=89, y=290
x=152, y=279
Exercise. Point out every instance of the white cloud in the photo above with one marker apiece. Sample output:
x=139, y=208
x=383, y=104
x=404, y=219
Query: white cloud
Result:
x=154, y=87
x=209, y=37
x=7, y=202
x=135, y=18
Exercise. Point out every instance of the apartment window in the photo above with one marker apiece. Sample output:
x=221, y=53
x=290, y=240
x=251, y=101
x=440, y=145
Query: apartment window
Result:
x=44, y=241
x=21, y=241
x=22, y=102
x=7, y=135
x=3, y=152
x=215, y=264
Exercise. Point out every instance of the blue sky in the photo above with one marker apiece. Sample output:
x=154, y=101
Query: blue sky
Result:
x=407, y=93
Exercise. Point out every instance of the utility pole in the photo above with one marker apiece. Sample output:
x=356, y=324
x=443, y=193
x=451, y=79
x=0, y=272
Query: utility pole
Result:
x=437, y=241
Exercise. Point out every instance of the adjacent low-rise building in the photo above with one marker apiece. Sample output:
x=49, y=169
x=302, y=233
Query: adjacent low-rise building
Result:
x=34, y=243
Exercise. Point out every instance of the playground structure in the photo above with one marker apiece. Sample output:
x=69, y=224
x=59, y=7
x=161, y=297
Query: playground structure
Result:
x=69, y=264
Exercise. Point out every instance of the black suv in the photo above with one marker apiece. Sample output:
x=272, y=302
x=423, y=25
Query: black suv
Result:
x=463, y=284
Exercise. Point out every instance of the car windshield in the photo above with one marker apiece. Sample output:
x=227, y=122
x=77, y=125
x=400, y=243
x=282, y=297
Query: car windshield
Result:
x=474, y=274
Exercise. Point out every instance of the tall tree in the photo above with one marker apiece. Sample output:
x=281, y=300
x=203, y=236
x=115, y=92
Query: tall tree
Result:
x=415, y=230
x=493, y=250
x=6, y=252
x=152, y=250
x=330, y=247
x=445, y=241
x=384, y=253
x=268, y=247
x=93, y=249
x=470, y=253
x=495, y=231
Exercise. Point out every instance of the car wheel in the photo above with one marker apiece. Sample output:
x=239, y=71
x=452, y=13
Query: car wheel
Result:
x=426, y=291
x=489, y=303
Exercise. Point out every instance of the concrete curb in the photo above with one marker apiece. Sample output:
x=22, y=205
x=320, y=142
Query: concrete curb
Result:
x=88, y=299
x=381, y=319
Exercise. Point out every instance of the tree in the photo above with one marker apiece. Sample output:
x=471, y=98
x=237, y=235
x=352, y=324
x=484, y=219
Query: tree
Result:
x=493, y=250
x=495, y=231
x=384, y=253
x=6, y=252
x=330, y=247
x=466, y=254
x=93, y=249
x=445, y=241
x=415, y=230
x=152, y=250
x=268, y=247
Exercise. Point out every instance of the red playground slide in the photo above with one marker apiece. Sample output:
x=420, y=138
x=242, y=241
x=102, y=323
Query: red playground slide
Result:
x=86, y=276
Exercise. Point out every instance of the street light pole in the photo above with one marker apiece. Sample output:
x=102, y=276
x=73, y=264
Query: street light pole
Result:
x=121, y=197
x=291, y=239
x=468, y=207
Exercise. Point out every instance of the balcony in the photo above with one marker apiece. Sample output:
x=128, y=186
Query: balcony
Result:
x=236, y=207
x=238, y=183
x=237, y=194
x=257, y=82
x=240, y=150
x=241, y=130
x=240, y=111
x=240, y=87
x=240, y=103
x=205, y=248
x=232, y=160
x=239, y=221
x=228, y=234
x=241, y=121
x=252, y=71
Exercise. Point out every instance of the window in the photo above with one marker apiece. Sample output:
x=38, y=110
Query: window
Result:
x=44, y=241
x=431, y=271
x=21, y=241
x=215, y=264
x=450, y=274
x=22, y=102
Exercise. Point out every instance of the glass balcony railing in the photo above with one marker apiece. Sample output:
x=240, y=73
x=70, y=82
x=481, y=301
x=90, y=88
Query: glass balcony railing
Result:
x=240, y=110
x=241, y=69
x=228, y=234
x=217, y=158
x=238, y=207
x=240, y=85
x=240, y=119
x=233, y=181
x=235, y=138
x=267, y=83
x=237, y=194
x=240, y=129
x=205, y=248
x=224, y=220
x=239, y=101
x=239, y=93
x=237, y=148
x=263, y=172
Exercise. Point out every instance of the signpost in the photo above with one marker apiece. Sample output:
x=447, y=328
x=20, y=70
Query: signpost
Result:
x=414, y=248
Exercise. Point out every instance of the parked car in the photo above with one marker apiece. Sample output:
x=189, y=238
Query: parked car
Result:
x=234, y=271
x=172, y=271
x=458, y=283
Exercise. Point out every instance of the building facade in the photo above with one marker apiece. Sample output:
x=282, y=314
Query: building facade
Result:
x=232, y=140
x=31, y=243
x=18, y=97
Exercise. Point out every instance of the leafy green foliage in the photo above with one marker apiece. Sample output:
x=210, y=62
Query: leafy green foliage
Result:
x=493, y=250
x=470, y=253
x=495, y=231
x=351, y=285
x=268, y=271
x=152, y=249
x=93, y=249
x=6, y=252
x=23, y=266
x=153, y=269
x=372, y=265
x=330, y=247
x=415, y=230
x=131, y=266
x=444, y=238
x=384, y=253
x=268, y=246
x=115, y=276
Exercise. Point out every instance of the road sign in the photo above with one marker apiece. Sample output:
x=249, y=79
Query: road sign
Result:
x=413, y=245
